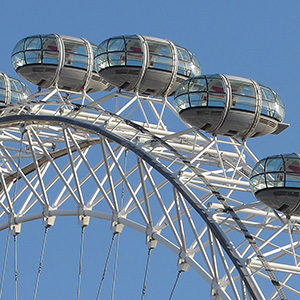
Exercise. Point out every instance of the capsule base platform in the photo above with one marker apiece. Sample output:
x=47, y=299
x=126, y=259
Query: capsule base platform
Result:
x=286, y=200
x=154, y=82
x=237, y=123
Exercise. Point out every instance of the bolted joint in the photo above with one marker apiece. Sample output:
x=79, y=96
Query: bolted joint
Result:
x=182, y=265
x=48, y=220
x=14, y=228
x=116, y=226
x=22, y=128
x=151, y=242
x=83, y=220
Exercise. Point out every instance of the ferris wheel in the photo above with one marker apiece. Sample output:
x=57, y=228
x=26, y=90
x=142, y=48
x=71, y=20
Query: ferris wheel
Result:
x=176, y=174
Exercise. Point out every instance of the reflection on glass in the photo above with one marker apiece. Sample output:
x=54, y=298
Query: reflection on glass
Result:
x=274, y=179
x=198, y=85
x=33, y=57
x=258, y=183
x=159, y=54
x=134, y=59
x=116, y=59
x=274, y=164
x=160, y=63
x=33, y=44
x=18, y=60
x=43, y=49
x=216, y=100
x=292, y=180
x=116, y=45
x=182, y=89
x=215, y=84
x=198, y=99
x=277, y=171
x=243, y=95
x=2, y=95
x=12, y=90
x=182, y=102
x=18, y=47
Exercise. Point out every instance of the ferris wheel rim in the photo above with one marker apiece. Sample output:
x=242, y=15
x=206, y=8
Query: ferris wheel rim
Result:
x=241, y=266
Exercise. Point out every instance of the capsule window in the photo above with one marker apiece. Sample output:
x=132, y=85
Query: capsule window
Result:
x=259, y=168
x=101, y=62
x=50, y=58
x=74, y=47
x=279, y=109
x=50, y=50
x=197, y=85
x=243, y=96
x=216, y=95
x=2, y=95
x=33, y=57
x=160, y=56
x=215, y=84
x=18, y=60
x=19, y=47
x=274, y=165
x=266, y=93
x=274, y=179
x=2, y=90
x=133, y=45
x=161, y=63
x=292, y=180
x=258, y=182
x=116, y=45
x=183, y=54
x=134, y=59
x=183, y=68
x=116, y=59
x=33, y=44
x=183, y=88
x=182, y=102
x=198, y=99
x=14, y=97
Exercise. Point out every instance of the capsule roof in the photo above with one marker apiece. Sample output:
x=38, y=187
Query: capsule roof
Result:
x=55, y=60
x=275, y=181
x=230, y=105
x=12, y=90
x=149, y=65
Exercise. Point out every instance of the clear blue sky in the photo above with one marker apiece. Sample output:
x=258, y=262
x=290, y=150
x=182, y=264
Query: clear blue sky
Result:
x=254, y=39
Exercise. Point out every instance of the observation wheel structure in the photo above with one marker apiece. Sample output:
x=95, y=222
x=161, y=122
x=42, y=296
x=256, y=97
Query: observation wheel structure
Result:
x=126, y=157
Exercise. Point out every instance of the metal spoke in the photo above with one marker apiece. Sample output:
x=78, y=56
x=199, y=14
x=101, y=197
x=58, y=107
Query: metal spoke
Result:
x=184, y=189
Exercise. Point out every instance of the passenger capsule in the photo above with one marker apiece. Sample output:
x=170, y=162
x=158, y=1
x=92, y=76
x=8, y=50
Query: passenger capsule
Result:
x=56, y=60
x=275, y=181
x=12, y=90
x=148, y=65
x=230, y=106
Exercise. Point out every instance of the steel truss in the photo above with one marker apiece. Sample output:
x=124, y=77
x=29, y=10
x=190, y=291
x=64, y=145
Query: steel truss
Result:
x=68, y=154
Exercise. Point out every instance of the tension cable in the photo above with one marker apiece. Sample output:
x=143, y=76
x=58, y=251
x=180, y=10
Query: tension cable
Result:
x=175, y=284
x=4, y=263
x=106, y=264
x=146, y=274
x=40, y=264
